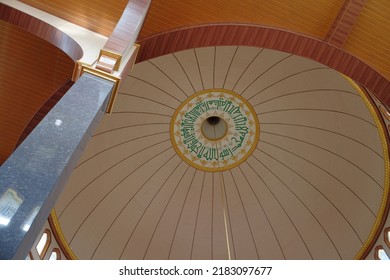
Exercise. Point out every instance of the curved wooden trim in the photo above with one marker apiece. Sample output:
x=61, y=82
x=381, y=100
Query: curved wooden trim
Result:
x=41, y=29
x=265, y=37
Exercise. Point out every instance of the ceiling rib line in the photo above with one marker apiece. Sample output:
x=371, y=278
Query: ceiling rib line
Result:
x=212, y=217
x=123, y=208
x=200, y=72
x=246, y=69
x=184, y=71
x=289, y=76
x=197, y=216
x=299, y=199
x=128, y=202
x=151, y=201
x=119, y=144
x=327, y=172
x=311, y=184
x=246, y=215
x=284, y=210
x=112, y=189
x=304, y=92
x=225, y=206
x=145, y=98
x=104, y=172
x=181, y=213
x=215, y=58
x=329, y=151
x=264, y=212
x=265, y=71
x=230, y=65
x=127, y=126
x=156, y=87
x=163, y=212
x=166, y=75
x=133, y=112
x=226, y=216
x=329, y=131
x=319, y=110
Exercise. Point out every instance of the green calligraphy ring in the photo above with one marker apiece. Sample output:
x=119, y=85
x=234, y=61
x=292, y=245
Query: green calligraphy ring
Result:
x=214, y=130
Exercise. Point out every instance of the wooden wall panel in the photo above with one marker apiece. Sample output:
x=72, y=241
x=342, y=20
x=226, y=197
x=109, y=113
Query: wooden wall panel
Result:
x=31, y=70
x=99, y=16
x=311, y=17
x=41, y=29
x=370, y=37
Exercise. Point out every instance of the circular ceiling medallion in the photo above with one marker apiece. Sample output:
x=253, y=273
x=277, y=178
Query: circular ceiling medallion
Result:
x=214, y=130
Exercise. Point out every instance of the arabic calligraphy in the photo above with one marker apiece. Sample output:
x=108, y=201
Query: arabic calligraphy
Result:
x=219, y=154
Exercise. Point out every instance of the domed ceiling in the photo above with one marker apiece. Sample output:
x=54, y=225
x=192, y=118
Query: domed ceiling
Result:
x=229, y=152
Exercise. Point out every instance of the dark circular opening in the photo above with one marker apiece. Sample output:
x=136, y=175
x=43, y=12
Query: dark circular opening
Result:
x=214, y=120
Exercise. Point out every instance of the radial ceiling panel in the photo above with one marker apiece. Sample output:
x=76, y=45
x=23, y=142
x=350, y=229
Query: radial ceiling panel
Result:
x=311, y=188
x=31, y=71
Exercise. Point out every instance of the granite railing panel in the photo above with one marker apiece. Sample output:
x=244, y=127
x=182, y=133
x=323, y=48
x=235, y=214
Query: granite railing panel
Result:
x=33, y=177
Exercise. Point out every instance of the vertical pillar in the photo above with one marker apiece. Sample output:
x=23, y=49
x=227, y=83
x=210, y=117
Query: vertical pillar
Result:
x=34, y=175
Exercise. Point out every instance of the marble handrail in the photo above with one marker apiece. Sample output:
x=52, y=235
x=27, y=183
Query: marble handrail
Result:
x=32, y=178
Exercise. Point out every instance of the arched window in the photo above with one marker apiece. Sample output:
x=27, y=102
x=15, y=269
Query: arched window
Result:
x=29, y=257
x=387, y=237
x=44, y=243
x=55, y=255
x=380, y=254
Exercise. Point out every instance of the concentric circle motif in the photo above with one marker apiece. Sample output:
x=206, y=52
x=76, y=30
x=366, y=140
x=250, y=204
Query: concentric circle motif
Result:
x=226, y=152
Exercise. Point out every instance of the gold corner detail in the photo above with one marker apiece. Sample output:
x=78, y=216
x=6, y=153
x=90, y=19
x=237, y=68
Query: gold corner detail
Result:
x=108, y=77
x=114, y=55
